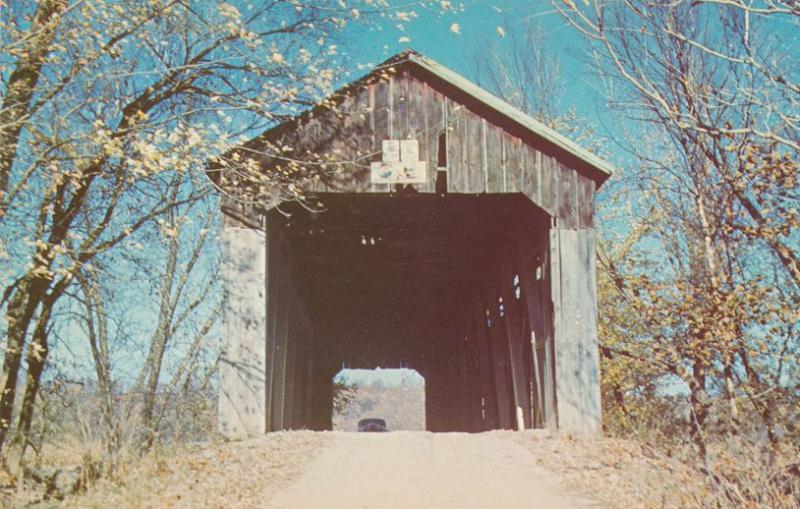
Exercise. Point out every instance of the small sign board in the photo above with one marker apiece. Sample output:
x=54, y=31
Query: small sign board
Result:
x=399, y=164
x=387, y=172
x=391, y=151
x=409, y=150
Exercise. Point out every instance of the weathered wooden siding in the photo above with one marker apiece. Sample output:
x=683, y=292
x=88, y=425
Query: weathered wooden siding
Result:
x=540, y=355
x=537, y=354
x=482, y=157
x=242, y=364
x=577, y=359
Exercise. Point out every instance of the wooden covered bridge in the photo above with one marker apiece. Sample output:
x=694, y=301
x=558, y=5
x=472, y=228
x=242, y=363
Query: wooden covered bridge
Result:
x=456, y=237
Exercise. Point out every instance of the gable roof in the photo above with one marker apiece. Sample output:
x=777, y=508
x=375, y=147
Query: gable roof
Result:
x=600, y=168
x=503, y=108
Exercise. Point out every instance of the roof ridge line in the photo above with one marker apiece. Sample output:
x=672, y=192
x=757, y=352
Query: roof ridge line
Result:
x=509, y=111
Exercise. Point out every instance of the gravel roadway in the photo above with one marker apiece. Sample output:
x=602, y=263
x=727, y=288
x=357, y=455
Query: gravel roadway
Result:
x=414, y=469
x=330, y=470
x=408, y=469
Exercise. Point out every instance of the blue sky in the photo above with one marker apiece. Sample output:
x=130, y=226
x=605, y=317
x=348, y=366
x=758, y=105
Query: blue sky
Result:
x=431, y=35
x=478, y=24
x=582, y=91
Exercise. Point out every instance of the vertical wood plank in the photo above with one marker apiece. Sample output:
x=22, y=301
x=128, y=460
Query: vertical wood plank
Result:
x=290, y=357
x=401, y=107
x=485, y=155
x=500, y=358
x=414, y=115
x=472, y=376
x=538, y=401
x=514, y=333
x=243, y=357
x=372, y=106
x=476, y=182
x=567, y=209
x=575, y=197
x=546, y=187
x=512, y=164
x=538, y=310
x=503, y=161
x=569, y=344
x=494, y=160
x=537, y=171
x=274, y=248
x=281, y=339
x=464, y=156
x=416, y=128
x=548, y=330
x=585, y=198
x=488, y=389
x=390, y=106
x=380, y=116
x=555, y=291
x=428, y=119
x=522, y=173
x=522, y=180
x=590, y=362
x=441, y=105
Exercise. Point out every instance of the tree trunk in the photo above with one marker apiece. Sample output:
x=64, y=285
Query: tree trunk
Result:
x=26, y=298
x=764, y=408
x=699, y=407
x=158, y=344
x=730, y=393
x=98, y=341
x=22, y=85
x=36, y=359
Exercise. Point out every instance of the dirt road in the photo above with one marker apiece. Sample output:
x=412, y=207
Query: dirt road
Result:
x=424, y=470
x=306, y=469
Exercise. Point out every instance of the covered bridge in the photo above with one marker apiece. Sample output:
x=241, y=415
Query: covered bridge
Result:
x=455, y=236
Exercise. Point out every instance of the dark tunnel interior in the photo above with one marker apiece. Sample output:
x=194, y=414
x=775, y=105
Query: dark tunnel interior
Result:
x=430, y=282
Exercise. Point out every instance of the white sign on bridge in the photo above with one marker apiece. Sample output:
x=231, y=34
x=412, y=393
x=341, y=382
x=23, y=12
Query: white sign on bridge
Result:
x=400, y=164
x=398, y=173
